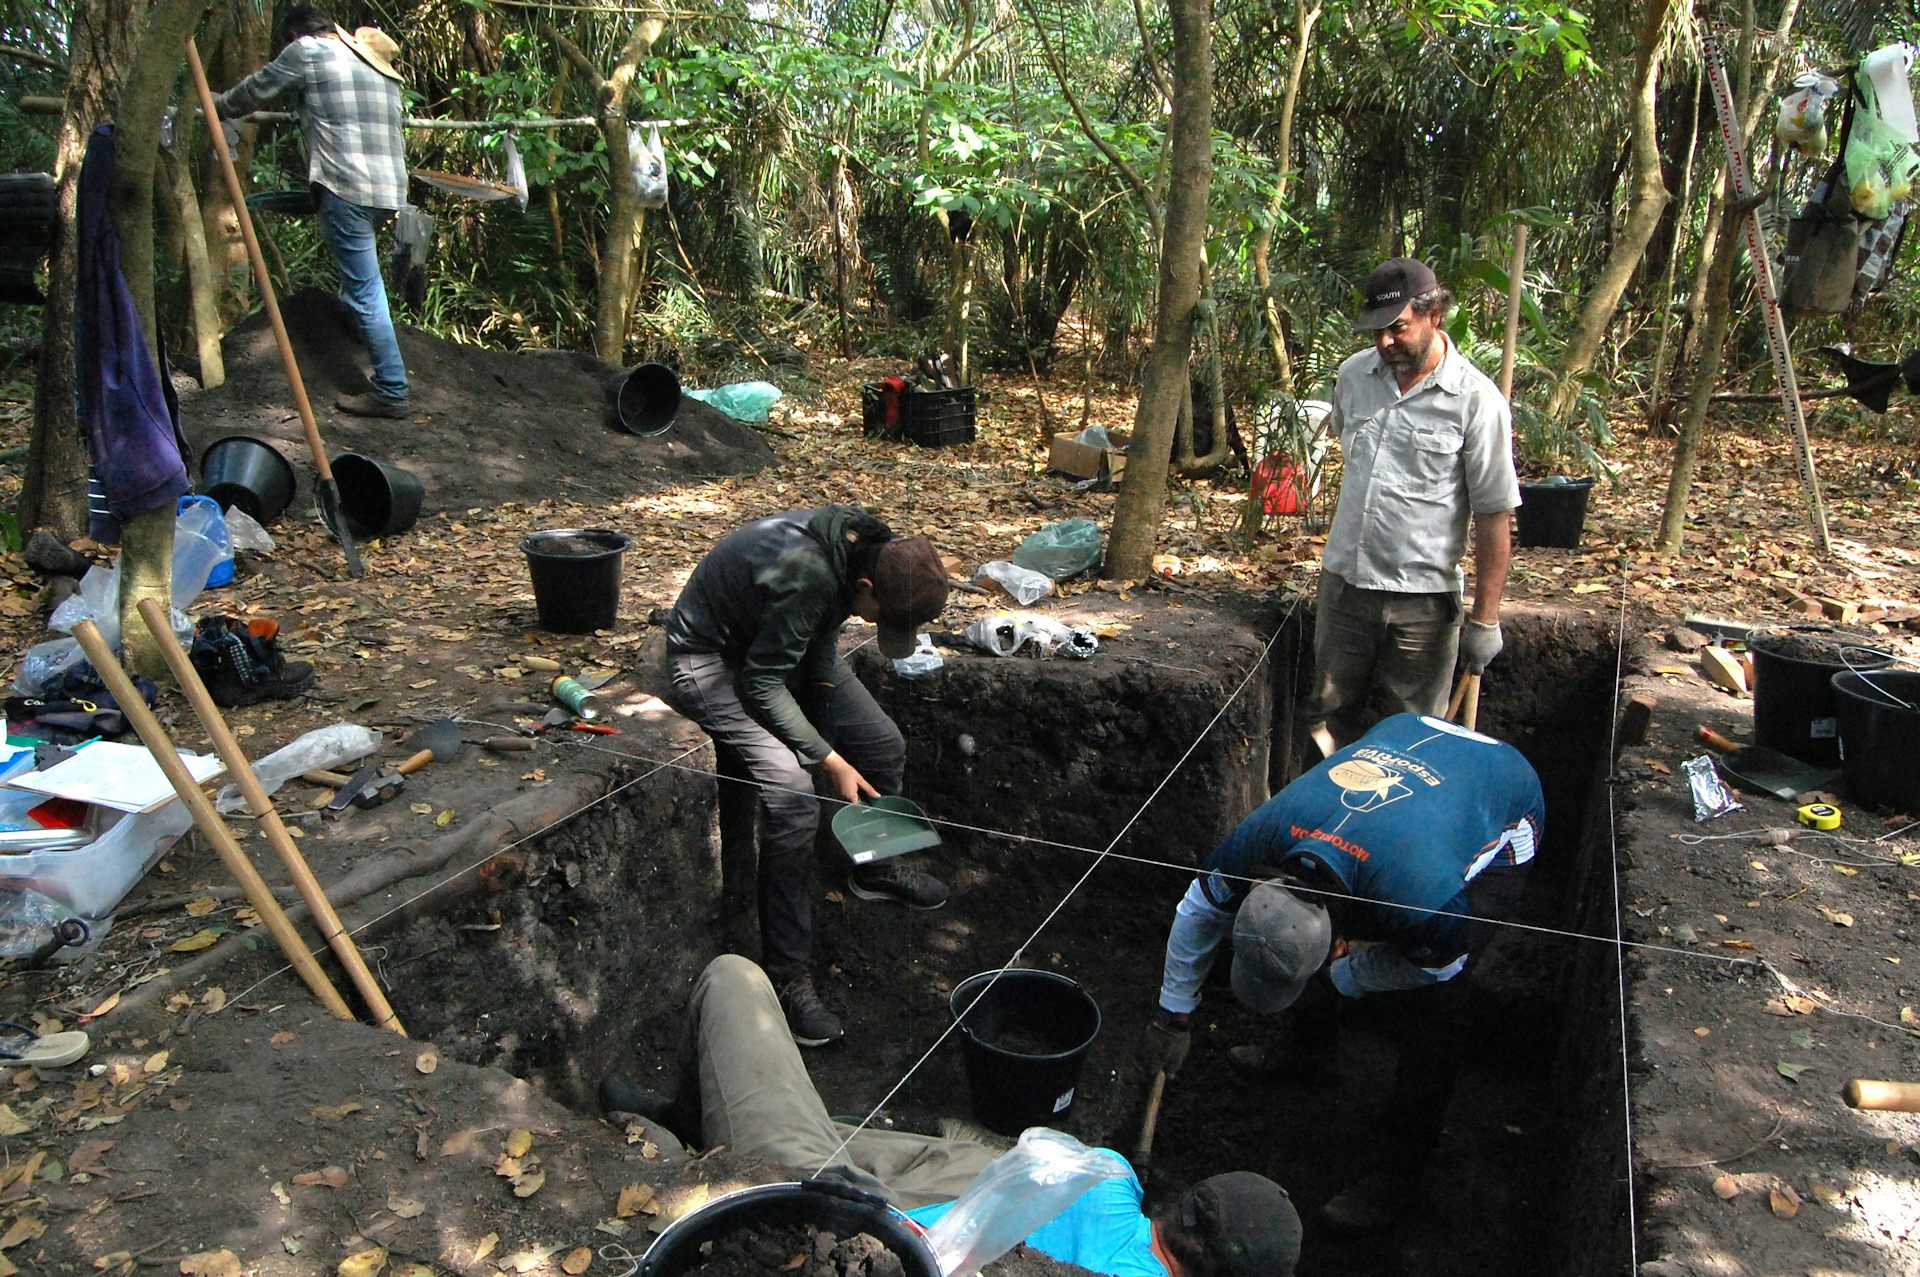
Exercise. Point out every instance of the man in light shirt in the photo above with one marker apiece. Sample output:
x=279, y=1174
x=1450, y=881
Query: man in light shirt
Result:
x=1362, y=878
x=350, y=111
x=1426, y=442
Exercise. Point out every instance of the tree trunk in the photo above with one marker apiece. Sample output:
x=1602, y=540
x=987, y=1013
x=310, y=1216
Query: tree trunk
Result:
x=1648, y=197
x=1305, y=15
x=1706, y=374
x=1136, y=515
x=234, y=44
x=202, y=302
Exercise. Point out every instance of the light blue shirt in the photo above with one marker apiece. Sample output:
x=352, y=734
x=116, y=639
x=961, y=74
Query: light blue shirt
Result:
x=1102, y=1231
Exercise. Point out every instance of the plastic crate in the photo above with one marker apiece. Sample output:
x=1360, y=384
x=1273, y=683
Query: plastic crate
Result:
x=938, y=418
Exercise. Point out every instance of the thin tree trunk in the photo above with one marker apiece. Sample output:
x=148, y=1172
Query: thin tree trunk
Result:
x=960, y=309
x=1648, y=197
x=1136, y=515
x=203, y=306
x=1706, y=374
x=1305, y=15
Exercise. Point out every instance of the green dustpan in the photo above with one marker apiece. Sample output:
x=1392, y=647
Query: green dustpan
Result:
x=883, y=827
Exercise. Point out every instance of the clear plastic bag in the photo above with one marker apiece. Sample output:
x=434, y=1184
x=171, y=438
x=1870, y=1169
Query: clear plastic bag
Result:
x=1061, y=549
x=246, y=533
x=743, y=400
x=649, y=161
x=1802, y=121
x=925, y=660
x=516, y=172
x=321, y=748
x=1025, y=585
x=1023, y=1188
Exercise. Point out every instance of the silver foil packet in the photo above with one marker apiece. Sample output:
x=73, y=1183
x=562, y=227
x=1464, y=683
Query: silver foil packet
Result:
x=1711, y=797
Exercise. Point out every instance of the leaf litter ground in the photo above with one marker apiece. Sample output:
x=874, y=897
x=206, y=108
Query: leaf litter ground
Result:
x=227, y=1128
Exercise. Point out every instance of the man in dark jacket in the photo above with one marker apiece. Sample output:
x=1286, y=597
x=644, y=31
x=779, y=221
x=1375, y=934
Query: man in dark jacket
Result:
x=1365, y=877
x=753, y=657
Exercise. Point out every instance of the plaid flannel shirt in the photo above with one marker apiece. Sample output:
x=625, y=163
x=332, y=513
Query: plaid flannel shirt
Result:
x=351, y=114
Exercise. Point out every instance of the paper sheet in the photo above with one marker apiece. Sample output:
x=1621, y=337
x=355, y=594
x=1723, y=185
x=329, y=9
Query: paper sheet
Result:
x=123, y=777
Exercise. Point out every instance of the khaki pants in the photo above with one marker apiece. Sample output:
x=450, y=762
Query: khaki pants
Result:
x=756, y=1098
x=1400, y=648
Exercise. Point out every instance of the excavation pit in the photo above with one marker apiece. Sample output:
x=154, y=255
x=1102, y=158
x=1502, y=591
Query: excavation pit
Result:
x=584, y=961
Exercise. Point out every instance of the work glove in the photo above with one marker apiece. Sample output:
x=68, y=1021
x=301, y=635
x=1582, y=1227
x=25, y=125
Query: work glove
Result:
x=1480, y=642
x=231, y=132
x=1166, y=1044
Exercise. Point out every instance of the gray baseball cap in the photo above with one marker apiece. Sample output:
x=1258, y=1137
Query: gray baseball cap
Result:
x=1279, y=941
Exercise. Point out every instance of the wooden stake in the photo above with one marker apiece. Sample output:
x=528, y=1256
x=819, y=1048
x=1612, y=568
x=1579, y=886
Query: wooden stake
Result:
x=1143, y=1150
x=1464, y=708
x=154, y=736
x=331, y=928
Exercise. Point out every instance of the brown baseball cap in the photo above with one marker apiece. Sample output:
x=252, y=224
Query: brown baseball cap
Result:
x=1394, y=283
x=910, y=585
x=1247, y=1223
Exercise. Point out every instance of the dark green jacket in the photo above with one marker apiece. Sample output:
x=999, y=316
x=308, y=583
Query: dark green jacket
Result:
x=770, y=598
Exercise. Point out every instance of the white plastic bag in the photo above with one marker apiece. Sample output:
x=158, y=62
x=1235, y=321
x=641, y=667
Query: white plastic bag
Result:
x=1004, y=634
x=321, y=748
x=649, y=161
x=246, y=533
x=1802, y=122
x=1021, y=1189
x=1024, y=584
x=516, y=172
x=923, y=661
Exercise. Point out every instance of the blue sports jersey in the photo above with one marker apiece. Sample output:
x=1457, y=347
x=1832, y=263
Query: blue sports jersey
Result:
x=1406, y=815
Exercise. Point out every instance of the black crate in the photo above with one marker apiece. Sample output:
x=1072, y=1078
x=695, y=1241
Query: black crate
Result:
x=937, y=418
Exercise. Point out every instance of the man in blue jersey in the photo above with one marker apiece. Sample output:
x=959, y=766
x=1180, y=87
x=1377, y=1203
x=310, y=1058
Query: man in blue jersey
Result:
x=754, y=1097
x=1364, y=877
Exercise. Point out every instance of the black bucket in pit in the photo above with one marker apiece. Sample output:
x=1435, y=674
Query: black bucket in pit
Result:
x=644, y=399
x=1794, y=708
x=378, y=498
x=827, y=1205
x=250, y=473
x=1023, y=1040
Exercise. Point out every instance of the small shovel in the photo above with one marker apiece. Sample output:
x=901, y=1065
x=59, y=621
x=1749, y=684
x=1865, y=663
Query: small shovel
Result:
x=1768, y=772
x=435, y=743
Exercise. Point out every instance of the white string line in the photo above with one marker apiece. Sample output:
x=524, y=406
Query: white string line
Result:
x=1619, y=927
x=462, y=872
x=1255, y=667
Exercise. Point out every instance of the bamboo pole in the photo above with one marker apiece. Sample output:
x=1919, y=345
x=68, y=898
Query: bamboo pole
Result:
x=1516, y=285
x=154, y=736
x=315, y=896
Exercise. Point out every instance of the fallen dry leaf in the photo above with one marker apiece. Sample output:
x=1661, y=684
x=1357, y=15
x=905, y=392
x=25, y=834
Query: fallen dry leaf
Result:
x=366, y=1263
x=156, y=1063
x=1836, y=916
x=11, y=1123
x=578, y=1260
x=1784, y=1202
x=1826, y=1194
x=1726, y=1188
x=485, y=1247
x=112, y=1001
x=636, y=1199
x=23, y=1229
x=205, y=938
x=113, y=1260
x=519, y=1143
x=445, y=818
x=211, y=1263
x=456, y=1143
x=337, y=1111
x=406, y=1207
x=325, y=1177
x=213, y=999
x=87, y=1157
x=529, y=1184
x=201, y=906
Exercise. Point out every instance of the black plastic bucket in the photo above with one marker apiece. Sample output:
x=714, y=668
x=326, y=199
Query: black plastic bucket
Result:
x=829, y=1205
x=249, y=473
x=1880, y=737
x=1023, y=1041
x=1794, y=707
x=1552, y=514
x=576, y=577
x=644, y=399
x=378, y=498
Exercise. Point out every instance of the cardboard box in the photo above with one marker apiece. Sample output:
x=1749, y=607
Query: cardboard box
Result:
x=1085, y=461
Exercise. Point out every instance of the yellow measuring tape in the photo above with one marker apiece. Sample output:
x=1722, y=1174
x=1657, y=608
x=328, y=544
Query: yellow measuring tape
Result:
x=1820, y=816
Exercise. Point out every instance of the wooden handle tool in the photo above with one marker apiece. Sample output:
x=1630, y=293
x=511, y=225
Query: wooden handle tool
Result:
x=215, y=830
x=1882, y=1096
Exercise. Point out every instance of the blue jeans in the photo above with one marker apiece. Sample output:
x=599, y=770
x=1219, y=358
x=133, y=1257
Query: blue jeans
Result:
x=349, y=229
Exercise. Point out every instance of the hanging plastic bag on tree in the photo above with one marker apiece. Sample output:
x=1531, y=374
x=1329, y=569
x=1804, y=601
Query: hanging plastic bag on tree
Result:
x=516, y=173
x=649, y=160
x=1802, y=123
x=1061, y=549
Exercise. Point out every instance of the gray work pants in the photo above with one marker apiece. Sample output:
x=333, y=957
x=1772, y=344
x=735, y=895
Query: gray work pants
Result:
x=756, y=1098
x=1401, y=647
x=762, y=777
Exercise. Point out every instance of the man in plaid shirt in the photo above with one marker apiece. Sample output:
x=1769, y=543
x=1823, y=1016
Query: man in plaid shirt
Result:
x=356, y=160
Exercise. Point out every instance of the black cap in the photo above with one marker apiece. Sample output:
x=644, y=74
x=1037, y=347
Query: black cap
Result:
x=1246, y=1222
x=1393, y=284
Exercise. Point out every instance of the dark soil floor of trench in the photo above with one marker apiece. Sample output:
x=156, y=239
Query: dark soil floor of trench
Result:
x=538, y=919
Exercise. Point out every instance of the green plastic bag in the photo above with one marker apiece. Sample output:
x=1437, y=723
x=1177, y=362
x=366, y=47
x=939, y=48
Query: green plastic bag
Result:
x=1061, y=549
x=742, y=400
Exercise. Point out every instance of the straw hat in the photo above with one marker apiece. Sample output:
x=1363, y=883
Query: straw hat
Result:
x=375, y=48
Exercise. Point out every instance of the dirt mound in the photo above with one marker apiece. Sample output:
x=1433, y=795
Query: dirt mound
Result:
x=488, y=425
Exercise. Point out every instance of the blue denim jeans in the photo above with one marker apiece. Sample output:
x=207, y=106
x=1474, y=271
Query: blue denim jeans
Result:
x=349, y=229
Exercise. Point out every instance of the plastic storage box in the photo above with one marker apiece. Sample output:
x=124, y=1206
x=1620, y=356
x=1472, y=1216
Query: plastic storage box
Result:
x=938, y=418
